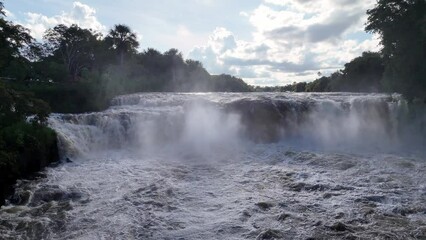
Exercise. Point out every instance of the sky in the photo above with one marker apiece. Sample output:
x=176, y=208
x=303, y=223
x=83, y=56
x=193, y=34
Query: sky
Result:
x=264, y=42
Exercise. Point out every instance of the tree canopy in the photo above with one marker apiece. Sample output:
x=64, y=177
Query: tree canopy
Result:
x=14, y=39
x=75, y=46
x=122, y=40
x=401, y=25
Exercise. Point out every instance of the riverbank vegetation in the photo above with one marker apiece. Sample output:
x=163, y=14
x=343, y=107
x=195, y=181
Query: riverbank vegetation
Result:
x=26, y=144
x=79, y=70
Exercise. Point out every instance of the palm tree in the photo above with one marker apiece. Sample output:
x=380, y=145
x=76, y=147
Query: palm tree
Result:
x=123, y=40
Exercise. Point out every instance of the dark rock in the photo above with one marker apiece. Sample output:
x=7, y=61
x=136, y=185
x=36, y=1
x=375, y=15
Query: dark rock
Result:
x=270, y=234
x=340, y=188
x=327, y=195
x=316, y=187
x=404, y=211
x=53, y=193
x=264, y=205
x=289, y=153
x=20, y=197
x=297, y=187
x=266, y=119
x=339, y=227
x=339, y=215
x=374, y=199
x=245, y=215
x=283, y=216
x=318, y=223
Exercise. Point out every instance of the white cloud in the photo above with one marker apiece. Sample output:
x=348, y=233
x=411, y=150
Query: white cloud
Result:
x=9, y=14
x=81, y=14
x=293, y=40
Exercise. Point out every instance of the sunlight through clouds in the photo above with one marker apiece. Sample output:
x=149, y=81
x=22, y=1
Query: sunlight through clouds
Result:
x=293, y=40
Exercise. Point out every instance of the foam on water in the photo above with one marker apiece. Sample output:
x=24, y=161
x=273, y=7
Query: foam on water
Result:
x=230, y=166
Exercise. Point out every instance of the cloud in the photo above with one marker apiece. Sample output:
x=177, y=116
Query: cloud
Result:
x=81, y=14
x=292, y=41
x=9, y=14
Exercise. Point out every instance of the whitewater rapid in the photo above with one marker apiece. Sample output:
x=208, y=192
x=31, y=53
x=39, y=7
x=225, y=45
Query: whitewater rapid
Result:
x=230, y=166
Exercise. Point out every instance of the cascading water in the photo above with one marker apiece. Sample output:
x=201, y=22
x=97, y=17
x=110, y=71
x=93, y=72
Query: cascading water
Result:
x=231, y=166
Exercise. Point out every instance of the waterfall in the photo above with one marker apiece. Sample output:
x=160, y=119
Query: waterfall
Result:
x=231, y=166
x=326, y=121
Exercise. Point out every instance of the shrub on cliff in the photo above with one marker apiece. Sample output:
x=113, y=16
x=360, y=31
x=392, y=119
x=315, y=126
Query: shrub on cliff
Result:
x=26, y=144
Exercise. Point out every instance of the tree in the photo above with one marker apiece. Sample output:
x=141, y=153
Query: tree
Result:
x=319, y=85
x=13, y=40
x=122, y=40
x=299, y=87
x=363, y=74
x=73, y=45
x=401, y=25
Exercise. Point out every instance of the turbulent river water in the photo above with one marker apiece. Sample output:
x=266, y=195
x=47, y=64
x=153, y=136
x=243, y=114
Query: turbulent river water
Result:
x=230, y=166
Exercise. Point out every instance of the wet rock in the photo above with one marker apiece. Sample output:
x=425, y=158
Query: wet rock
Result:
x=404, y=211
x=343, y=166
x=367, y=211
x=290, y=153
x=53, y=193
x=6, y=224
x=318, y=223
x=374, y=199
x=316, y=187
x=283, y=216
x=270, y=234
x=340, y=215
x=282, y=205
x=262, y=118
x=405, y=164
x=339, y=227
x=245, y=215
x=342, y=188
x=305, y=156
x=20, y=198
x=40, y=210
x=297, y=187
x=47, y=195
x=327, y=195
x=264, y=205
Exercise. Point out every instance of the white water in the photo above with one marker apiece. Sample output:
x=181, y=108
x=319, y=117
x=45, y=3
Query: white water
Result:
x=231, y=166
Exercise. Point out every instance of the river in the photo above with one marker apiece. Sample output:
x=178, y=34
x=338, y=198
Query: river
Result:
x=230, y=166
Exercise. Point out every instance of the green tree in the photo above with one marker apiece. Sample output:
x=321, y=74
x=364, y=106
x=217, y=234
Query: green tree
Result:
x=299, y=87
x=122, y=40
x=73, y=46
x=319, y=85
x=14, y=39
x=363, y=74
x=401, y=25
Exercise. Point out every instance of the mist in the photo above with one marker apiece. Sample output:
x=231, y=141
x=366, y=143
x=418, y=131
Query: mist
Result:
x=208, y=124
